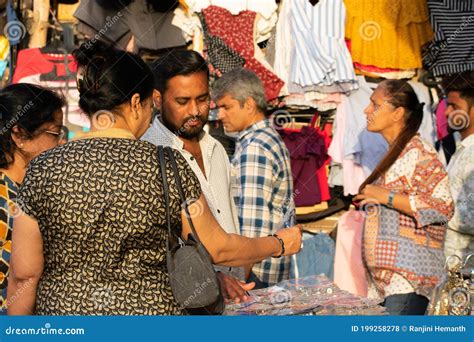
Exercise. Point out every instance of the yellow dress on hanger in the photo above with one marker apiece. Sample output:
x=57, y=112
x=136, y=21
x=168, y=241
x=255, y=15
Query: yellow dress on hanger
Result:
x=388, y=33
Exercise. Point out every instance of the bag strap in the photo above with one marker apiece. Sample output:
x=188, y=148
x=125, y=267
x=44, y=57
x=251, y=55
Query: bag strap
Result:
x=181, y=192
x=161, y=159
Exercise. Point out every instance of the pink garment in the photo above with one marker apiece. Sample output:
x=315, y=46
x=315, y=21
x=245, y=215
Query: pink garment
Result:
x=441, y=120
x=349, y=270
x=323, y=171
x=237, y=31
x=353, y=173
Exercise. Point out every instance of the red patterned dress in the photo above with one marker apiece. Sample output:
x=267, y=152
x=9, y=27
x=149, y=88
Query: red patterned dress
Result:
x=237, y=32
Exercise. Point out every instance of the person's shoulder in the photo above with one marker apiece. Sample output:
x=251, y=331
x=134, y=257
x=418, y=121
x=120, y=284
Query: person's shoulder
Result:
x=421, y=145
x=423, y=152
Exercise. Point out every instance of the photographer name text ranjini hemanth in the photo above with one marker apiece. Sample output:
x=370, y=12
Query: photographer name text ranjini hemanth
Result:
x=436, y=328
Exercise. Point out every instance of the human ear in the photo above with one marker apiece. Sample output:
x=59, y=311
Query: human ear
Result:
x=398, y=114
x=157, y=99
x=135, y=105
x=18, y=136
x=250, y=105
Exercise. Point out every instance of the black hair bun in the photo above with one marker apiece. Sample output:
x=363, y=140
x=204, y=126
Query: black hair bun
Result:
x=108, y=77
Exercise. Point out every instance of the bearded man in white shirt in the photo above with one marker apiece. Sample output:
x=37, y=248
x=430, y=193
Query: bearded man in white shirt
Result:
x=182, y=98
x=460, y=114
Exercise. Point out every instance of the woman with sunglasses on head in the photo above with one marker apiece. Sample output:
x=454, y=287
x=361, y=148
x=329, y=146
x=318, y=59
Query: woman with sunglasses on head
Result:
x=93, y=240
x=30, y=123
x=408, y=204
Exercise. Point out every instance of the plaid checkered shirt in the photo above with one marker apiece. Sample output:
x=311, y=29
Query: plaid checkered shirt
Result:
x=262, y=187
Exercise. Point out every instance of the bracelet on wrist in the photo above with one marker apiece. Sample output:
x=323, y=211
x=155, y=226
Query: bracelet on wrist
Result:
x=282, y=244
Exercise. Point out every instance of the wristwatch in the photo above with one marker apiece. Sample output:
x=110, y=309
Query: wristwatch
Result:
x=391, y=197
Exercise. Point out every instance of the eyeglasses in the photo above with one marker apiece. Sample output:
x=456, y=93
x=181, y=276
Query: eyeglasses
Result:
x=59, y=135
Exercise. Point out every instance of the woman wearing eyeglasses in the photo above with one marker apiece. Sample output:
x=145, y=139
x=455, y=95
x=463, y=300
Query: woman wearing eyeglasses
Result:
x=30, y=123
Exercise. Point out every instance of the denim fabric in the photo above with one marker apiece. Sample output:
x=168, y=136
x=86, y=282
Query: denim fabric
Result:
x=406, y=304
x=316, y=257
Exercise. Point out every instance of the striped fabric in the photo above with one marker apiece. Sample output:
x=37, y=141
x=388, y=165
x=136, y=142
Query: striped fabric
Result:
x=452, y=50
x=321, y=59
x=262, y=186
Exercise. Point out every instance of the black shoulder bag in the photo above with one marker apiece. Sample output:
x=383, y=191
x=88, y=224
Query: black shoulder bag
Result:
x=192, y=276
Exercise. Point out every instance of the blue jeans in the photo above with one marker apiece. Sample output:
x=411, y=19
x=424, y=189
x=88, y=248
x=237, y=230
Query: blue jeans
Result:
x=406, y=304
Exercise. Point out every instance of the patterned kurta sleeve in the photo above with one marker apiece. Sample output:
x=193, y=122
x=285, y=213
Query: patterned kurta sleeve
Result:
x=432, y=202
x=255, y=173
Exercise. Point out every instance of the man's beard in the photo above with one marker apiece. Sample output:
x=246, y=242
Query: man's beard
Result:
x=185, y=131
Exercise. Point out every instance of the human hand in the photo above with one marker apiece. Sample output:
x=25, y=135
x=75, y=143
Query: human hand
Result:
x=234, y=289
x=372, y=193
x=292, y=238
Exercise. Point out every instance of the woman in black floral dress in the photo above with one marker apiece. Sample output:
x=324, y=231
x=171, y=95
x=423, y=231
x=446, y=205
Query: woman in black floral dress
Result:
x=92, y=237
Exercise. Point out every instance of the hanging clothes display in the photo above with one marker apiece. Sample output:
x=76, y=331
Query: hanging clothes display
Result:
x=151, y=30
x=387, y=33
x=237, y=32
x=312, y=57
x=321, y=59
x=308, y=154
x=219, y=55
x=52, y=71
x=451, y=49
x=373, y=71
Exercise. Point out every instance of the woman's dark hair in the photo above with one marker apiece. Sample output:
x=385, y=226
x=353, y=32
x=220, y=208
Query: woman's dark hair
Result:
x=108, y=77
x=179, y=62
x=27, y=107
x=400, y=94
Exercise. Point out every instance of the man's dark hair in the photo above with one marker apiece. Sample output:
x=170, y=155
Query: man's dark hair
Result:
x=180, y=62
x=461, y=82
